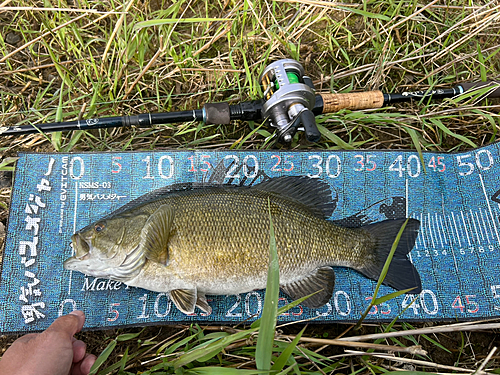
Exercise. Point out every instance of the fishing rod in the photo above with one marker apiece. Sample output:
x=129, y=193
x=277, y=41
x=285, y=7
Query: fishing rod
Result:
x=290, y=104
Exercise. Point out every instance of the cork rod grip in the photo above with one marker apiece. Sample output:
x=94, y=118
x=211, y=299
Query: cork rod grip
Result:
x=356, y=100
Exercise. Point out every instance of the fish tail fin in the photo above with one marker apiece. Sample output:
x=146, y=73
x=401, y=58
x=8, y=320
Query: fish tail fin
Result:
x=402, y=274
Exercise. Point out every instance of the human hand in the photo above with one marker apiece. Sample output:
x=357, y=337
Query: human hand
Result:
x=53, y=352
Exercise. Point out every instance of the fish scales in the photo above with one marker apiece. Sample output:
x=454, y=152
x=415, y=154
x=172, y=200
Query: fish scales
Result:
x=218, y=235
x=215, y=240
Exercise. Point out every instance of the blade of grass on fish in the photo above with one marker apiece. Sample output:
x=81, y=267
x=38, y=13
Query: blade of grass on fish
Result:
x=390, y=296
x=102, y=357
x=265, y=341
x=285, y=308
x=280, y=363
x=383, y=274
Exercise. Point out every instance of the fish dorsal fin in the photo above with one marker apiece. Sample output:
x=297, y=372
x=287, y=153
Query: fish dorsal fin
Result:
x=154, y=235
x=184, y=299
x=311, y=192
x=322, y=280
x=202, y=303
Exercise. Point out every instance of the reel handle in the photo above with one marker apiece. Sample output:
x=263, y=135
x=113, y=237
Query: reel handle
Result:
x=308, y=121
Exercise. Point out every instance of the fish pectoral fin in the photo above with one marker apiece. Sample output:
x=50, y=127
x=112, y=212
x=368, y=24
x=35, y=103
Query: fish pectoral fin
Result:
x=202, y=303
x=154, y=235
x=184, y=299
x=321, y=282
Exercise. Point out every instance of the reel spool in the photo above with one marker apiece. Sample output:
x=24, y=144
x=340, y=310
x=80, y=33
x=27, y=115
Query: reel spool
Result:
x=289, y=99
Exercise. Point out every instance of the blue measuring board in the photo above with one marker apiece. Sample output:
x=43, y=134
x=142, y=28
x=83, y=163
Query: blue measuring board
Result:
x=456, y=197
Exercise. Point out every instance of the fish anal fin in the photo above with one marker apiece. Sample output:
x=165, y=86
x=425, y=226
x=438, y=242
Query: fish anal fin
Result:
x=321, y=282
x=184, y=299
x=155, y=234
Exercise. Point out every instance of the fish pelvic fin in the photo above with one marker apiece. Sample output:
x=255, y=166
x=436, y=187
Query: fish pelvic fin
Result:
x=201, y=302
x=402, y=274
x=184, y=299
x=321, y=282
x=155, y=234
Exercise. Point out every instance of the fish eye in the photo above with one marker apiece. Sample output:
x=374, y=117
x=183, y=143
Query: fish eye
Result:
x=99, y=227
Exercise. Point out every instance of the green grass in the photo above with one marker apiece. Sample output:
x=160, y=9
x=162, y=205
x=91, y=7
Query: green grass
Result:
x=90, y=58
x=164, y=56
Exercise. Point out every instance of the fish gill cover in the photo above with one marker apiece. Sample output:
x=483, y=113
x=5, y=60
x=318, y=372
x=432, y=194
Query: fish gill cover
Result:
x=454, y=196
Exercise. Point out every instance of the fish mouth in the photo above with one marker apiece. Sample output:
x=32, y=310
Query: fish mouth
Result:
x=81, y=251
x=81, y=246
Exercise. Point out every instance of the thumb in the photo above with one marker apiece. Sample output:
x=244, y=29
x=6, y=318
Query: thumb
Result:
x=70, y=324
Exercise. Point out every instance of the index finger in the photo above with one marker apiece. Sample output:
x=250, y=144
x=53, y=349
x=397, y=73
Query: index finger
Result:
x=71, y=323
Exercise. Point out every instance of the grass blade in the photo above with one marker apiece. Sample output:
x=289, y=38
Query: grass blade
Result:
x=383, y=274
x=285, y=355
x=102, y=357
x=223, y=371
x=285, y=308
x=334, y=138
x=390, y=296
x=441, y=126
x=365, y=13
x=416, y=142
x=265, y=340
x=210, y=348
x=167, y=21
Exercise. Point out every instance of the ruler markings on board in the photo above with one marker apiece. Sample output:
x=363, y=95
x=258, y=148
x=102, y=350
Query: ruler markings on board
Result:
x=465, y=228
x=457, y=234
x=75, y=210
x=486, y=224
x=456, y=230
x=475, y=226
x=455, y=263
x=487, y=228
x=446, y=231
x=439, y=230
x=407, y=197
x=481, y=228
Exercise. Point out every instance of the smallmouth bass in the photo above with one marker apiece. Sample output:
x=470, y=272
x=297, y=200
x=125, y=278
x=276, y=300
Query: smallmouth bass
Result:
x=215, y=240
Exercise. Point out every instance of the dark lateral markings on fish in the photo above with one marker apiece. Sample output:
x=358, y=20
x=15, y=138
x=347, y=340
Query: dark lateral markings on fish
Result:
x=214, y=240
